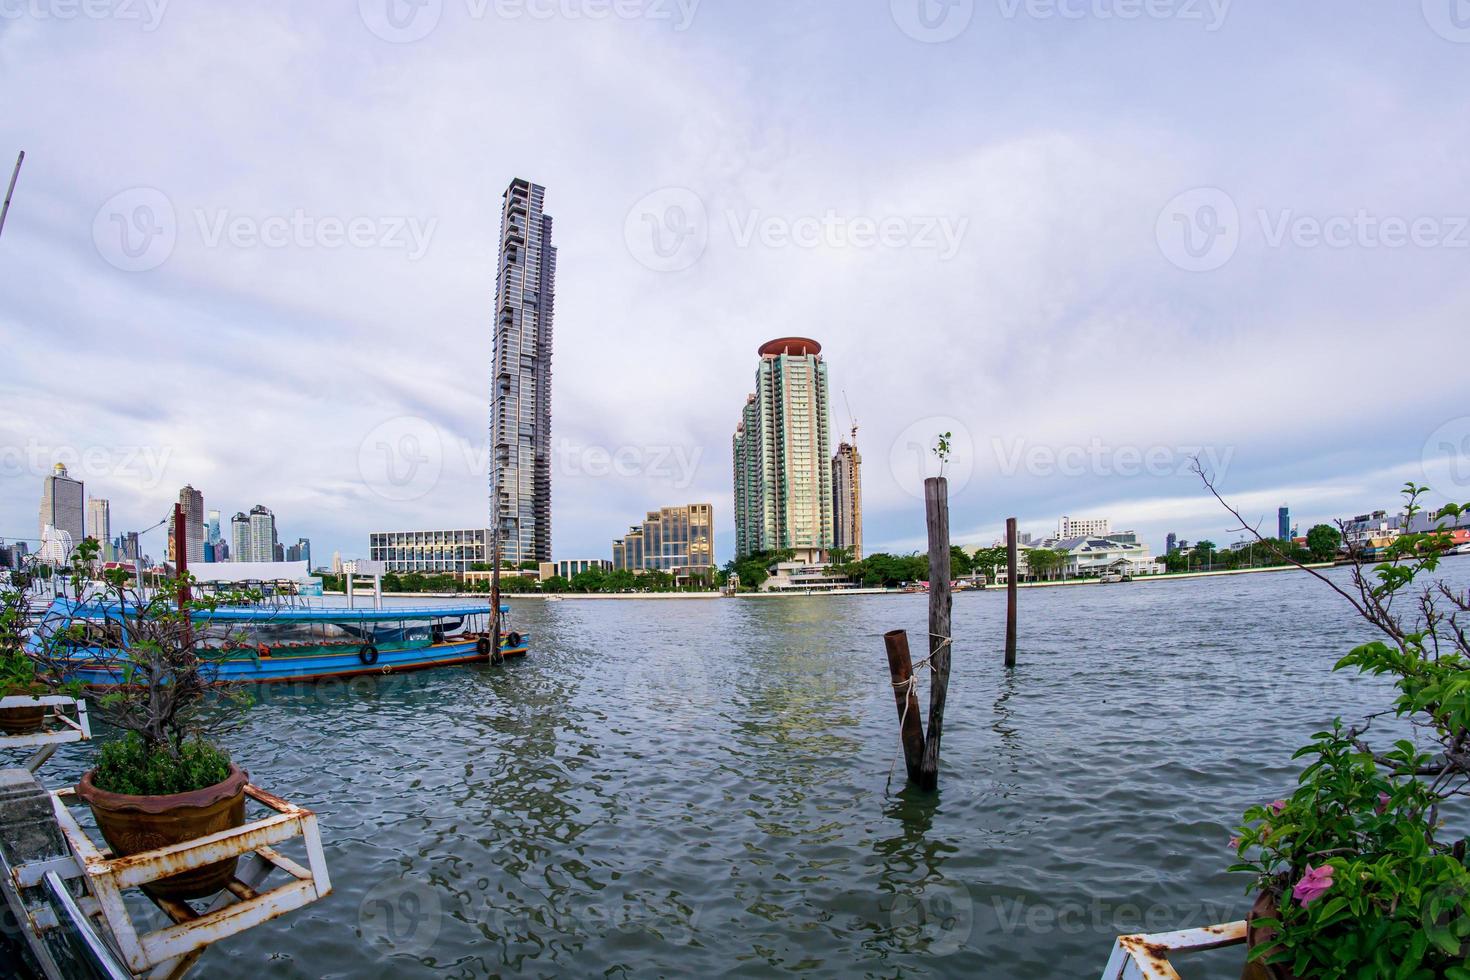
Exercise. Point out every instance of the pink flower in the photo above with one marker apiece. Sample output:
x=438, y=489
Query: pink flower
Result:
x=1235, y=843
x=1314, y=884
x=1276, y=807
x=1382, y=806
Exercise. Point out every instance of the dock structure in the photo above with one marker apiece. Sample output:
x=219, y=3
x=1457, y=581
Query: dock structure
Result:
x=62, y=896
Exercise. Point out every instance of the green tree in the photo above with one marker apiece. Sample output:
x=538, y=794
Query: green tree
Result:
x=556, y=584
x=1323, y=541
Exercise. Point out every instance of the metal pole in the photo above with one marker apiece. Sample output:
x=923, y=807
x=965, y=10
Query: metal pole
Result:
x=377, y=590
x=349, y=590
x=1012, y=560
x=10, y=191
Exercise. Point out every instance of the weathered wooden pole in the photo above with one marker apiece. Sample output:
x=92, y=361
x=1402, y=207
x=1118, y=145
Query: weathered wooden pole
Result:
x=906, y=697
x=936, y=508
x=1011, y=562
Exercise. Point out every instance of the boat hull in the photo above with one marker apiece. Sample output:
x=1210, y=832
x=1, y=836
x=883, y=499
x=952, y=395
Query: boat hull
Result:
x=307, y=668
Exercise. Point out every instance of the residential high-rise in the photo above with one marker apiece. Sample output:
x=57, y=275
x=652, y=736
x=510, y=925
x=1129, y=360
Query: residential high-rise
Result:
x=677, y=540
x=783, y=451
x=1283, y=524
x=1075, y=527
x=192, y=501
x=61, y=506
x=240, y=538
x=847, y=498
x=262, y=534
x=520, y=397
x=99, y=526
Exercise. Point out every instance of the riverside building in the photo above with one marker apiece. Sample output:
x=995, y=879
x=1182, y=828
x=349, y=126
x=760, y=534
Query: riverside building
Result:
x=782, y=452
x=677, y=540
x=431, y=552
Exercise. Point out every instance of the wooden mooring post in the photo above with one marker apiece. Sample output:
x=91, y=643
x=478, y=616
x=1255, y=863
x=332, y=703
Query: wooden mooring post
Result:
x=1011, y=561
x=921, y=743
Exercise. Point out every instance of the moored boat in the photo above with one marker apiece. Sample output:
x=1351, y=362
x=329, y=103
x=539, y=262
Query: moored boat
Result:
x=274, y=644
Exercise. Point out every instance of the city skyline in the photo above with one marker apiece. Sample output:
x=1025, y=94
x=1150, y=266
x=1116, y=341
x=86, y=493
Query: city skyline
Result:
x=1060, y=273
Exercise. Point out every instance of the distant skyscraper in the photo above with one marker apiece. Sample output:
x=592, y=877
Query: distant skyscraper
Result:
x=240, y=538
x=783, y=455
x=212, y=536
x=222, y=551
x=99, y=526
x=847, y=498
x=128, y=547
x=61, y=506
x=677, y=540
x=1283, y=524
x=262, y=534
x=193, y=503
x=1172, y=544
x=303, y=552
x=520, y=405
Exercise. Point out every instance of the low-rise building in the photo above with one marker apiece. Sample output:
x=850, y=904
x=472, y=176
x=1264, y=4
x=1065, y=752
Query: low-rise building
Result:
x=570, y=568
x=430, y=552
x=796, y=576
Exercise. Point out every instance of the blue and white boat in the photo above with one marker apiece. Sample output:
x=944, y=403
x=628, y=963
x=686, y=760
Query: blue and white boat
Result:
x=274, y=644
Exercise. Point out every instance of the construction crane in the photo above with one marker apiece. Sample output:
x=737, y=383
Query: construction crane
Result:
x=850, y=420
x=10, y=191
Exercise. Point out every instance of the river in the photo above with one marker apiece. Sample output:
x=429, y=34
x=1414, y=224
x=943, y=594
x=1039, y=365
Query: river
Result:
x=702, y=787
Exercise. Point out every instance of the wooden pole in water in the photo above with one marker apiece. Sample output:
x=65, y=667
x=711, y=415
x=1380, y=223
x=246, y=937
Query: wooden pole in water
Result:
x=1011, y=561
x=906, y=697
x=936, y=507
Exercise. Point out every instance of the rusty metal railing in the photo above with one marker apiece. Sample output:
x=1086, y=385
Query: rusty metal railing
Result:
x=1143, y=957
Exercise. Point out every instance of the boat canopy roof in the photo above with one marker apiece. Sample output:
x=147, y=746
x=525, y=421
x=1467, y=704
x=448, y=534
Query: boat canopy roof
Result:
x=286, y=614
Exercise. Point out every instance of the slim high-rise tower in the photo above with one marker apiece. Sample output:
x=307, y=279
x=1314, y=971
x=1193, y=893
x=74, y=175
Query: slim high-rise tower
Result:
x=847, y=498
x=520, y=391
x=99, y=525
x=193, y=503
x=783, y=455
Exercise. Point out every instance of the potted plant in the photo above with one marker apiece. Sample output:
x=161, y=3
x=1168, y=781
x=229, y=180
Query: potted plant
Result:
x=164, y=781
x=1357, y=872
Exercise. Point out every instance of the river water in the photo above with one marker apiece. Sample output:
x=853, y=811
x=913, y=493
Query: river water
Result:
x=701, y=787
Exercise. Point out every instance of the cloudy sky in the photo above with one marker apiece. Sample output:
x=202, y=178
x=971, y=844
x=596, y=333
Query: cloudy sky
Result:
x=252, y=248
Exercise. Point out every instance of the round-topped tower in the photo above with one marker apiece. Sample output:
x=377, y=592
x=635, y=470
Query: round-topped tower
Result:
x=794, y=346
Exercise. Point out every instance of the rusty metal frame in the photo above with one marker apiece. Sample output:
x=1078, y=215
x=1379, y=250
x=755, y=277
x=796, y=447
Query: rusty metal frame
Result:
x=171, y=950
x=46, y=742
x=1143, y=957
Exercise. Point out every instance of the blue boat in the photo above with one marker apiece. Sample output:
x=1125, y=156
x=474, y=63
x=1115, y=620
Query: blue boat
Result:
x=275, y=644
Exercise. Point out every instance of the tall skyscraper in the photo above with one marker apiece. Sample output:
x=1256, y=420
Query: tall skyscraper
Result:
x=520, y=405
x=1283, y=524
x=99, y=526
x=783, y=452
x=262, y=534
x=212, y=534
x=847, y=498
x=192, y=501
x=240, y=538
x=61, y=505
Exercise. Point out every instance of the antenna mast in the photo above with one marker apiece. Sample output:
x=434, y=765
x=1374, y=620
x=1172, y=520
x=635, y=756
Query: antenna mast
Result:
x=10, y=191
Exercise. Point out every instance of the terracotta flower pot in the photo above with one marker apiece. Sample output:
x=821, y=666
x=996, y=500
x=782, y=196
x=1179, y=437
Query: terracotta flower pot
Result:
x=24, y=720
x=1264, y=908
x=131, y=824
